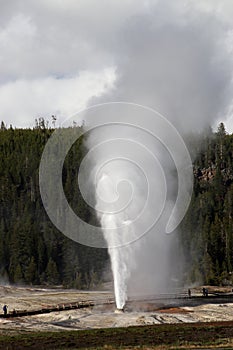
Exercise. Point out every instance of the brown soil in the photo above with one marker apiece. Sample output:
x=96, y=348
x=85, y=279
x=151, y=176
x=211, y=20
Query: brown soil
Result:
x=175, y=310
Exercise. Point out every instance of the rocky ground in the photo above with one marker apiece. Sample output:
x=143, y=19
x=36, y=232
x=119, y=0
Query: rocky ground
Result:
x=99, y=316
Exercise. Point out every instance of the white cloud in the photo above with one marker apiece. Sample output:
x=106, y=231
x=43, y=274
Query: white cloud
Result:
x=24, y=100
x=16, y=45
x=150, y=42
x=60, y=38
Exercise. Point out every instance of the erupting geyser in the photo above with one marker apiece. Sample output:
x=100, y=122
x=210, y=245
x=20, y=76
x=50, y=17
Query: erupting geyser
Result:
x=132, y=195
x=115, y=227
x=131, y=169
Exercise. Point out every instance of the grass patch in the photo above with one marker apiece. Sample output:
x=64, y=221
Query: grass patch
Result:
x=167, y=336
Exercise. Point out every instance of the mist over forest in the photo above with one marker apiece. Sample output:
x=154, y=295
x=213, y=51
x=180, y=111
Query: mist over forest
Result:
x=34, y=252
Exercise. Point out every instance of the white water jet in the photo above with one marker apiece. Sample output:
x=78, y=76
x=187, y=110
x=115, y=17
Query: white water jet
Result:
x=126, y=166
x=115, y=228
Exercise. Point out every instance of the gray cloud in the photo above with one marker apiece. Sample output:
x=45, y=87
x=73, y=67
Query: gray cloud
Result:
x=178, y=62
x=172, y=56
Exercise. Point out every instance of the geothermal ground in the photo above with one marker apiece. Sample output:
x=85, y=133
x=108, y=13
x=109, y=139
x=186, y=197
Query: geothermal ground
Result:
x=102, y=314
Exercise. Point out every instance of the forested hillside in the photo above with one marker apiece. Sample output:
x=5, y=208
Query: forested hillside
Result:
x=32, y=250
x=207, y=229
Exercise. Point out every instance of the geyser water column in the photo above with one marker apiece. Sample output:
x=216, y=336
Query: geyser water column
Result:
x=123, y=201
x=127, y=178
x=118, y=253
x=129, y=160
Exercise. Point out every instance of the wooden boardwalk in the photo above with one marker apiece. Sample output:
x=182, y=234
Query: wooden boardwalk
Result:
x=167, y=299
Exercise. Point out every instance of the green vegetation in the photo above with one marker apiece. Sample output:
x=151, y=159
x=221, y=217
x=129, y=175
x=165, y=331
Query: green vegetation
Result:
x=32, y=250
x=177, y=335
x=207, y=229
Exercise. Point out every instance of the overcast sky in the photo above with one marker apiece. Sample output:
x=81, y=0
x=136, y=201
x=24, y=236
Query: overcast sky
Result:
x=57, y=56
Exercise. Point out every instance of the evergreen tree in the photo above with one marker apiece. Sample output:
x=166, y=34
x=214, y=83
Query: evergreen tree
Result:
x=28, y=240
x=52, y=272
x=209, y=244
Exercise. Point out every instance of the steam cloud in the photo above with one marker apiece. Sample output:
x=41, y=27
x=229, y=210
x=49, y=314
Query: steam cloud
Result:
x=177, y=60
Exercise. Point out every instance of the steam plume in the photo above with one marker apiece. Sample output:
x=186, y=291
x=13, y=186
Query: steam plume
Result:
x=177, y=60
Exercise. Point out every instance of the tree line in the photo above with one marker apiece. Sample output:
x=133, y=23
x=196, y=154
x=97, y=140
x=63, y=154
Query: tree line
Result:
x=206, y=233
x=32, y=250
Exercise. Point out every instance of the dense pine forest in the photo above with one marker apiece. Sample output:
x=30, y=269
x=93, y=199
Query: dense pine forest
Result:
x=206, y=233
x=33, y=251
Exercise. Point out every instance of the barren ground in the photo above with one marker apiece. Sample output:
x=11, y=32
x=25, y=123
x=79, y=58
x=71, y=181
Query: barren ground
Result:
x=100, y=316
